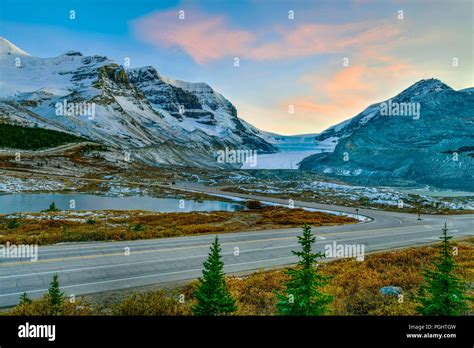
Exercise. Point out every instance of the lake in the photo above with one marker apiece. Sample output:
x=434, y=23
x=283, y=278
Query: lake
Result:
x=35, y=202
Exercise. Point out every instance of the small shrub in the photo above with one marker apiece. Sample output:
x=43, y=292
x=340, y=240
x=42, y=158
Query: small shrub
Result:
x=52, y=208
x=42, y=307
x=13, y=223
x=253, y=204
x=151, y=303
x=138, y=228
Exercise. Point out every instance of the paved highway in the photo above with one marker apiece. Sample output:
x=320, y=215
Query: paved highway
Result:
x=87, y=268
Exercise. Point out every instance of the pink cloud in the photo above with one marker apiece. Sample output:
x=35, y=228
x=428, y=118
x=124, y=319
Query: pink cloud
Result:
x=313, y=39
x=202, y=37
x=206, y=37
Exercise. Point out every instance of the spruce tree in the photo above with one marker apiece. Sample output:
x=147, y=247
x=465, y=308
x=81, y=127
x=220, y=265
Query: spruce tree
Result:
x=212, y=294
x=52, y=207
x=443, y=293
x=56, y=297
x=302, y=295
x=24, y=299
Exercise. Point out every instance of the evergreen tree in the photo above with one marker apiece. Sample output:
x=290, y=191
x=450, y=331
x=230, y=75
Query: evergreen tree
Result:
x=56, y=297
x=302, y=295
x=24, y=299
x=444, y=293
x=212, y=294
x=52, y=207
x=19, y=137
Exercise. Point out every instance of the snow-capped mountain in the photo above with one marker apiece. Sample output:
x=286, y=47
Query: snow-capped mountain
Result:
x=156, y=119
x=433, y=144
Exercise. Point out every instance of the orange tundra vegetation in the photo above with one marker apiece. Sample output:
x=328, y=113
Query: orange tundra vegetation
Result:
x=147, y=225
x=355, y=284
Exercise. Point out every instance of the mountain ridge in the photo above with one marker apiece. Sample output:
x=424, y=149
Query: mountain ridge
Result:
x=136, y=110
x=435, y=147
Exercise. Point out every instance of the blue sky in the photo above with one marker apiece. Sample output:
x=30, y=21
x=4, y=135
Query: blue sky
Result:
x=283, y=61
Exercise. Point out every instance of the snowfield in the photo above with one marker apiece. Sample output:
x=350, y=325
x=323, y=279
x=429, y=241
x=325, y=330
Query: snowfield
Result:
x=16, y=185
x=280, y=160
x=291, y=151
x=333, y=192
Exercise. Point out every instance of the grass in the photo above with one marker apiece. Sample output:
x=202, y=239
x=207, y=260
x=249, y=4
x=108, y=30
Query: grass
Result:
x=51, y=227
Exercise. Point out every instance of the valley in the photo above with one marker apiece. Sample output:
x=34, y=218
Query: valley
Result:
x=159, y=166
x=236, y=172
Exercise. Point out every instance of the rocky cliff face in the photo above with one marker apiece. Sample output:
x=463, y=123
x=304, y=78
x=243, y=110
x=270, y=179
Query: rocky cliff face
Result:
x=433, y=147
x=156, y=119
x=196, y=107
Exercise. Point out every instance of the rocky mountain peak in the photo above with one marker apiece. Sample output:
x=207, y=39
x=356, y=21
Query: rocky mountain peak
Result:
x=424, y=87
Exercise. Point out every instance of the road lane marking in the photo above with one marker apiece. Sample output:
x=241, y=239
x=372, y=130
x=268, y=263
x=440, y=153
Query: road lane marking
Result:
x=296, y=230
x=222, y=236
x=145, y=276
x=137, y=252
x=29, y=263
x=412, y=240
x=21, y=275
x=195, y=256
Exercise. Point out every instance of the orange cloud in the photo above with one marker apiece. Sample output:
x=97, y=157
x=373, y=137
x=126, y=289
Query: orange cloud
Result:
x=344, y=92
x=207, y=38
x=312, y=39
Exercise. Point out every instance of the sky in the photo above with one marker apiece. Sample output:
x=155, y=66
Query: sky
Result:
x=289, y=67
